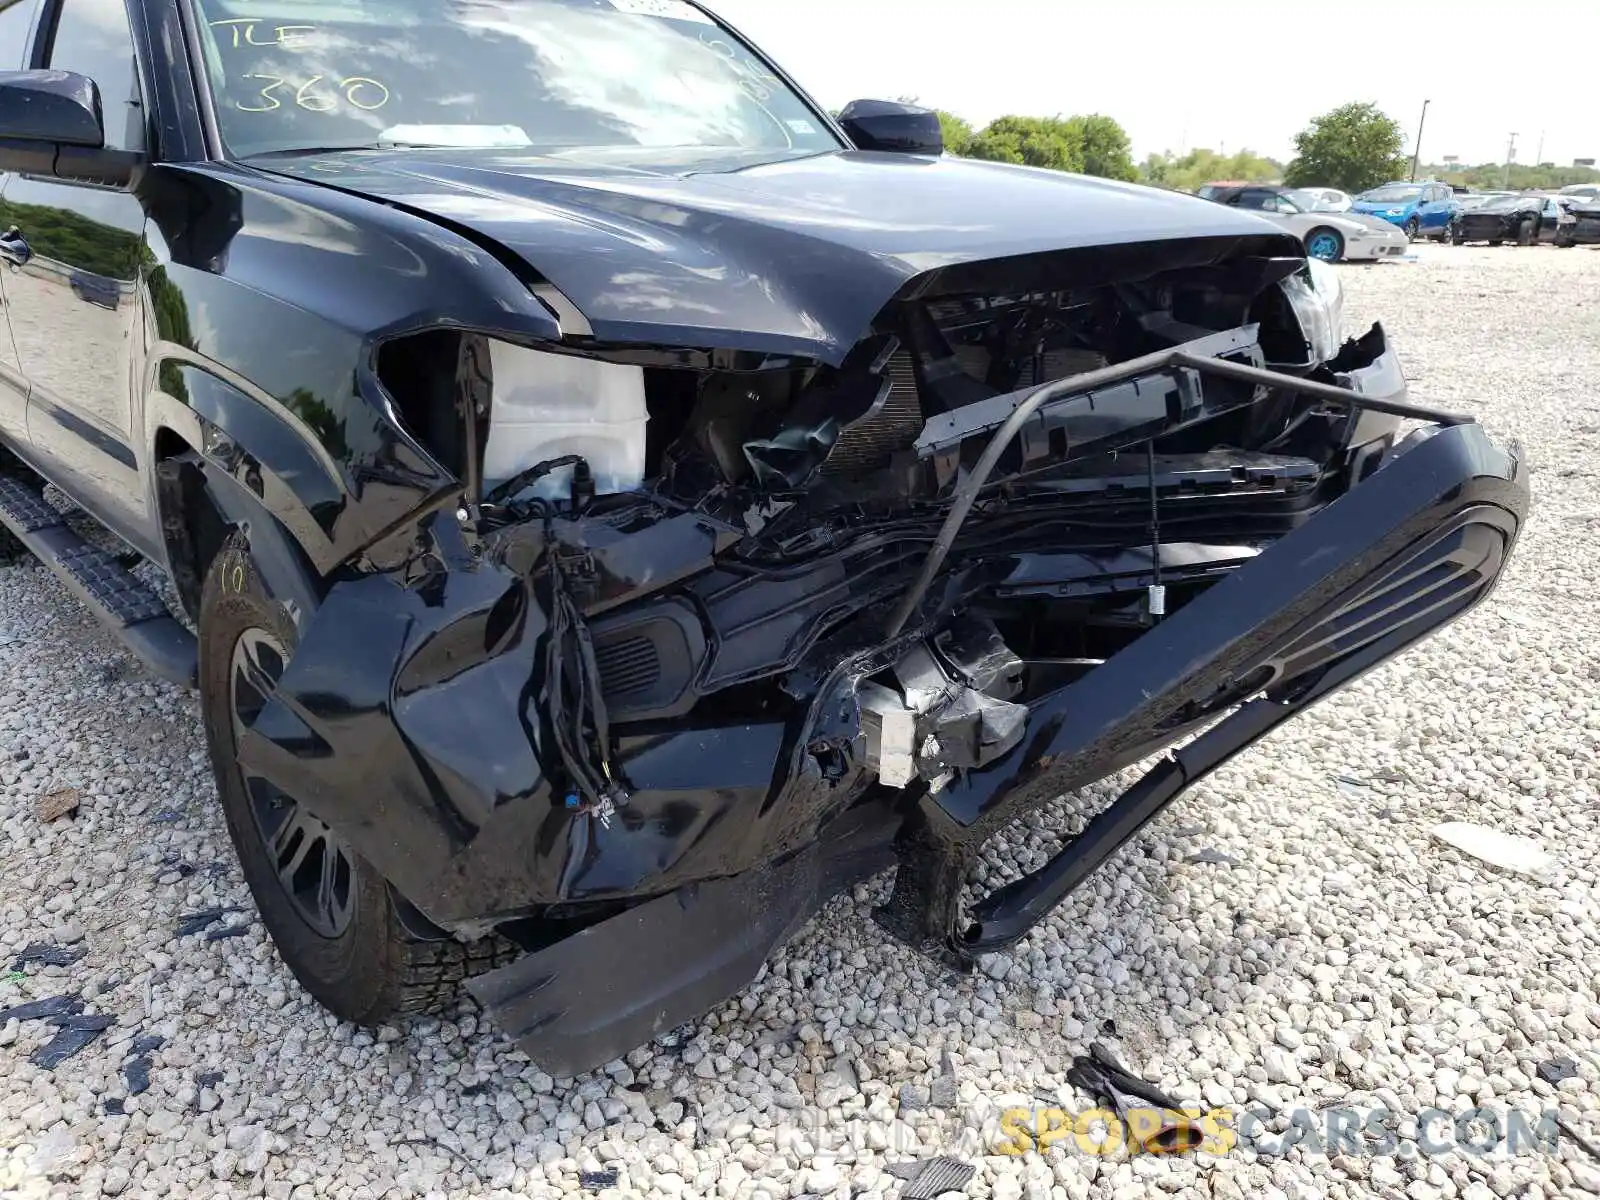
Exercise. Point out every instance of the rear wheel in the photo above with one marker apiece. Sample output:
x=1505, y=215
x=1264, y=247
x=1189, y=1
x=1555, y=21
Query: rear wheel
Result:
x=1526, y=231
x=1564, y=240
x=1326, y=244
x=330, y=914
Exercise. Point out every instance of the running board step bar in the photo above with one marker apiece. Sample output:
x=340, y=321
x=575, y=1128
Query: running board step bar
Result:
x=124, y=604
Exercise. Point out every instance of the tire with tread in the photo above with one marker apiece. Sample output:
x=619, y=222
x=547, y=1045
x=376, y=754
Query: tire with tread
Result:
x=1526, y=232
x=376, y=969
x=11, y=549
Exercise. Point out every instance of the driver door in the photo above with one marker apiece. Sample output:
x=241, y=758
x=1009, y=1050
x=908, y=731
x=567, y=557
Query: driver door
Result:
x=74, y=306
x=16, y=25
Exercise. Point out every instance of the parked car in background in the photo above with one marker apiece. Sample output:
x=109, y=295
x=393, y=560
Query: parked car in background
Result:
x=1208, y=191
x=1585, y=227
x=1474, y=200
x=1524, y=219
x=1330, y=236
x=1589, y=192
x=1421, y=209
x=1330, y=199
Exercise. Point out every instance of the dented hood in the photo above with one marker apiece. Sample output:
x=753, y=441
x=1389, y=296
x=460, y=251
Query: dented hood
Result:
x=789, y=257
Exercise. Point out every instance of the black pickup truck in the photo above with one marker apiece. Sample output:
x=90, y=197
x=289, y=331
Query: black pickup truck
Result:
x=614, y=504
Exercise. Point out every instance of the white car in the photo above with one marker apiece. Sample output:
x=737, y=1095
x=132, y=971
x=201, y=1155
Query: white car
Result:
x=1330, y=236
x=1329, y=199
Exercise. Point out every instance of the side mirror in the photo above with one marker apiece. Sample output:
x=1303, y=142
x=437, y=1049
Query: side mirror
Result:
x=888, y=125
x=62, y=107
x=51, y=124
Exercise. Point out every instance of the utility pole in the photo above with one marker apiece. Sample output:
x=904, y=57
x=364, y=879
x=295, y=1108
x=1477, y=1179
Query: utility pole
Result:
x=1511, y=153
x=1416, y=150
x=1539, y=156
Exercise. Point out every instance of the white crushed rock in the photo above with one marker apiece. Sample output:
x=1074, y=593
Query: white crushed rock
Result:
x=1322, y=951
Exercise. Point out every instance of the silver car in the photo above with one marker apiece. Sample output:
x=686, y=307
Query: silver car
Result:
x=1330, y=236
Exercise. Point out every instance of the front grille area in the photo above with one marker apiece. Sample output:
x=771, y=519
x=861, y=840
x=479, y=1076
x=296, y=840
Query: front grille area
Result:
x=628, y=667
x=868, y=444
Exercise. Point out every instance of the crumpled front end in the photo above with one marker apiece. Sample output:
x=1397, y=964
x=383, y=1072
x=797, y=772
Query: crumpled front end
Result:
x=1050, y=517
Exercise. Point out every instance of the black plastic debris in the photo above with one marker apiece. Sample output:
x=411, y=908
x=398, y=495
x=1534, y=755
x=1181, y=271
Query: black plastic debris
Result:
x=944, y=1091
x=137, y=1072
x=190, y=924
x=1213, y=857
x=1554, y=1070
x=115, y=1108
x=167, y=816
x=227, y=931
x=933, y=1178
x=47, y=955
x=43, y=1010
x=598, y=1181
x=208, y=1079
x=144, y=1045
x=1133, y=1099
x=676, y=1039
x=913, y=1098
x=73, y=1035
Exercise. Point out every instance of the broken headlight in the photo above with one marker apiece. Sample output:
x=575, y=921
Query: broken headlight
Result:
x=1317, y=297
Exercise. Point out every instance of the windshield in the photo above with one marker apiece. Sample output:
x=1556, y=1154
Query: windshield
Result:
x=537, y=74
x=1305, y=201
x=1503, y=203
x=1391, y=195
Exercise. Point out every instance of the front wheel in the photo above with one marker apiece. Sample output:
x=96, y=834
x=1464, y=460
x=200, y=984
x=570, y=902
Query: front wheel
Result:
x=1564, y=241
x=1326, y=244
x=1412, y=227
x=330, y=914
x=1526, y=231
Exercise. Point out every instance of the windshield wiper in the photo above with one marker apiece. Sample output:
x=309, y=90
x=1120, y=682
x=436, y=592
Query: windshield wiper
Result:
x=335, y=149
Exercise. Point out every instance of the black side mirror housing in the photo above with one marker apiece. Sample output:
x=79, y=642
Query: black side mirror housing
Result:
x=62, y=107
x=889, y=125
x=51, y=124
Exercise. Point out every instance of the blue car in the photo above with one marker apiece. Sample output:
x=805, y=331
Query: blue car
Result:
x=1419, y=208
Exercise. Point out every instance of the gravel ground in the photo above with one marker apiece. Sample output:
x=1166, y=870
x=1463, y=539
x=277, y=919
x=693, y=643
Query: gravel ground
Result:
x=1322, y=951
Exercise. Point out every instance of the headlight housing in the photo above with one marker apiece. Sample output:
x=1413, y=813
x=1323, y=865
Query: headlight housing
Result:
x=1317, y=296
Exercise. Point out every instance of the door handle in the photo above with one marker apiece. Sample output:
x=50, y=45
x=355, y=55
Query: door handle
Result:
x=14, y=248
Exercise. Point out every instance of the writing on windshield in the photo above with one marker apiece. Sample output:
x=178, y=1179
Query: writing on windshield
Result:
x=559, y=73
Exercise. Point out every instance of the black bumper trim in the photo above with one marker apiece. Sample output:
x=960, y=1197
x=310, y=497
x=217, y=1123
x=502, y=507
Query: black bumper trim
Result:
x=1422, y=541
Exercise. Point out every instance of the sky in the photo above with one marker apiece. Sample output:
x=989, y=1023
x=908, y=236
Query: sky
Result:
x=1222, y=74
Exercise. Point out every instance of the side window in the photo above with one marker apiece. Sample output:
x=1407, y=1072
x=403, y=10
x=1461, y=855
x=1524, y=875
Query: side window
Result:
x=93, y=37
x=1254, y=199
x=15, y=18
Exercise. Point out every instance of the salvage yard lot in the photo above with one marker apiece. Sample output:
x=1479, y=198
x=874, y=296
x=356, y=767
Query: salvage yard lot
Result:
x=1290, y=936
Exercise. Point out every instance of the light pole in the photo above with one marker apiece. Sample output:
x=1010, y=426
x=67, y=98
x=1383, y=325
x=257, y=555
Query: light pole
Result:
x=1416, y=151
x=1511, y=152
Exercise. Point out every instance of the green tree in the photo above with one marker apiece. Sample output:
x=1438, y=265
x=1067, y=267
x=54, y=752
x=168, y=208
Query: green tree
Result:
x=1354, y=147
x=958, y=132
x=1492, y=176
x=1186, y=172
x=1031, y=141
x=1107, y=152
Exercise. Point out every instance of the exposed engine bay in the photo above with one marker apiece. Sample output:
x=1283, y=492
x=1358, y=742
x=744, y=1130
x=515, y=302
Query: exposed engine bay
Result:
x=709, y=529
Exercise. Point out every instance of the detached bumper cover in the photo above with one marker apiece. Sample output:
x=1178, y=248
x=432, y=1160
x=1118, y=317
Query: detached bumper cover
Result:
x=1403, y=553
